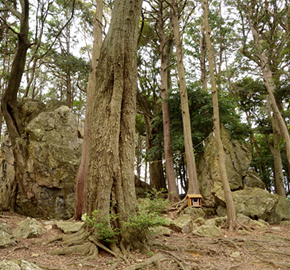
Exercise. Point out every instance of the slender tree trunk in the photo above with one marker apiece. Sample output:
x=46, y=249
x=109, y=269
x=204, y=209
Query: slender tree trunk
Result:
x=231, y=213
x=138, y=160
x=165, y=53
x=81, y=181
x=202, y=59
x=112, y=132
x=254, y=142
x=275, y=150
x=11, y=113
x=157, y=180
x=269, y=83
x=68, y=89
x=189, y=153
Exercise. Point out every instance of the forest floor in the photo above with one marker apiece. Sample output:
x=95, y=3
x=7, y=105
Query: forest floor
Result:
x=258, y=249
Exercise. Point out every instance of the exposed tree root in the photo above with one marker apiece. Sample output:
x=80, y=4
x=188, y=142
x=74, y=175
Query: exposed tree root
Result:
x=278, y=264
x=236, y=226
x=85, y=249
x=175, y=258
x=160, y=245
x=153, y=260
x=58, y=238
x=274, y=252
x=227, y=242
x=180, y=205
x=93, y=240
x=234, y=267
x=76, y=238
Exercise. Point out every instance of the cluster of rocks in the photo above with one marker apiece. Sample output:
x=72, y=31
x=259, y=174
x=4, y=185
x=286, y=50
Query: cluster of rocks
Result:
x=30, y=228
x=194, y=221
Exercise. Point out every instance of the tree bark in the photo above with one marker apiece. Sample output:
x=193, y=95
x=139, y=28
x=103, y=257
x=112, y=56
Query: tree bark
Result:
x=112, y=132
x=231, y=213
x=269, y=83
x=157, y=180
x=81, y=181
x=165, y=53
x=189, y=153
x=10, y=110
x=275, y=150
x=202, y=58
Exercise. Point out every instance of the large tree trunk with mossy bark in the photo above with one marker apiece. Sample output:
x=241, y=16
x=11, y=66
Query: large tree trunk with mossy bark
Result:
x=111, y=143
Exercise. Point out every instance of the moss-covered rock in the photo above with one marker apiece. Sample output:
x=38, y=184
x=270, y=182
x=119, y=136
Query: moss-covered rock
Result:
x=208, y=231
x=54, y=145
x=29, y=228
x=257, y=204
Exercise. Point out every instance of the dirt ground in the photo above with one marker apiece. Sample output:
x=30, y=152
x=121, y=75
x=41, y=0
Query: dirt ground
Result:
x=258, y=249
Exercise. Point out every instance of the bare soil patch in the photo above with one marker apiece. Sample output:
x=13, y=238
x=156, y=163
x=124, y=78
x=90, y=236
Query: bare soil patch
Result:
x=259, y=249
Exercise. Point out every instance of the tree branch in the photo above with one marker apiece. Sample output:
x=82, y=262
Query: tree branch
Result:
x=16, y=13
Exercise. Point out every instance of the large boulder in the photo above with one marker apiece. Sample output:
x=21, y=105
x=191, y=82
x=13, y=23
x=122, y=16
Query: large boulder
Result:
x=257, y=204
x=237, y=157
x=29, y=228
x=54, y=145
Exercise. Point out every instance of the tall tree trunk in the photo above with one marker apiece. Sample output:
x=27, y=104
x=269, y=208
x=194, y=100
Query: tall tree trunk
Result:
x=231, y=213
x=138, y=160
x=255, y=144
x=275, y=150
x=111, y=143
x=202, y=58
x=68, y=89
x=81, y=181
x=165, y=53
x=189, y=153
x=157, y=180
x=269, y=83
x=11, y=113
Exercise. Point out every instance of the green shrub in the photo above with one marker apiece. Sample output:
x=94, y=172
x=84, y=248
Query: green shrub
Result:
x=156, y=203
x=148, y=216
x=102, y=228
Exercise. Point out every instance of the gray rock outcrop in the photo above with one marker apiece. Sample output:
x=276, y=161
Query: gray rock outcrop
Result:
x=257, y=204
x=238, y=157
x=249, y=194
x=54, y=142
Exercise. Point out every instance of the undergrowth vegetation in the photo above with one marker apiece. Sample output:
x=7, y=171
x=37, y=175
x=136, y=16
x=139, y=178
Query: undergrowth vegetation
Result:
x=149, y=215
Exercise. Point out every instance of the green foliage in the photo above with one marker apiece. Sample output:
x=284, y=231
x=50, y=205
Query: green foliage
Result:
x=148, y=216
x=102, y=227
x=156, y=202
